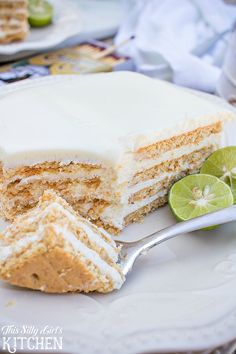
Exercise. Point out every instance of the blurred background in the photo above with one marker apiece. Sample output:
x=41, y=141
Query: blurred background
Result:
x=191, y=43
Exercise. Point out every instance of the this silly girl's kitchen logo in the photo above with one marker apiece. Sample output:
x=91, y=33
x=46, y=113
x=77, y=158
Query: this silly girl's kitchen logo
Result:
x=31, y=338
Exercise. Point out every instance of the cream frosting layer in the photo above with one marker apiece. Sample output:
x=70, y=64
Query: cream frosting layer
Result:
x=214, y=139
x=140, y=166
x=92, y=232
x=137, y=166
x=18, y=246
x=11, y=22
x=92, y=256
x=115, y=215
x=108, y=245
x=11, y=32
x=99, y=117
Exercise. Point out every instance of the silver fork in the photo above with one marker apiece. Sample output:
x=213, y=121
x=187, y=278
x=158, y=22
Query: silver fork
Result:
x=132, y=250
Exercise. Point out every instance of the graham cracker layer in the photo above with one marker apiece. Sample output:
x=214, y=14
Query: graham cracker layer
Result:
x=91, y=188
x=16, y=16
x=12, y=5
x=18, y=204
x=136, y=216
x=82, y=188
x=194, y=162
x=1, y=173
x=76, y=182
x=191, y=138
x=139, y=214
x=39, y=169
x=179, y=172
x=19, y=36
x=174, y=165
x=154, y=189
x=113, y=230
x=93, y=208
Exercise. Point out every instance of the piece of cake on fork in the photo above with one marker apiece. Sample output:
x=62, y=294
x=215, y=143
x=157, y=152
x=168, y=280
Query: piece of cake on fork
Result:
x=13, y=20
x=111, y=144
x=52, y=249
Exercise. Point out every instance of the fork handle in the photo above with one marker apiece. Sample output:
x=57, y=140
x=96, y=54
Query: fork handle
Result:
x=138, y=248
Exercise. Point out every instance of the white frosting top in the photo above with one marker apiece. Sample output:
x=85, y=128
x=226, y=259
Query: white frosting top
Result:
x=95, y=117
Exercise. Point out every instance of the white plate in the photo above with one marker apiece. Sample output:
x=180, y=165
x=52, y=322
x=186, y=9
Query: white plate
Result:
x=181, y=296
x=83, y=19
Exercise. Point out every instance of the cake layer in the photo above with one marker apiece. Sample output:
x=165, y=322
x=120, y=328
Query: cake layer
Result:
x=163, y=183
x=19, y=17
x=90, y=197
x=82, y=170
x=54, y=172
x=139, y=214
x=173, y=164
x=117, y=215
x=22, y=187
x=11, y=23
x=19, y=195
x=13, y=4
x=90, y=187
x=177, y=142
x=134, y=216
x=16, y=36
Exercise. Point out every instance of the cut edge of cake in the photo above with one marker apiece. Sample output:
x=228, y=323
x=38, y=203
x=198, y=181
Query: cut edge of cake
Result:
x=53, y=249
x=95, y=192
x=113, y=196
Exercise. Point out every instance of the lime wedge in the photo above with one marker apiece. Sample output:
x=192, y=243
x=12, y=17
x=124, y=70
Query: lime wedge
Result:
x=40, y=13
x=196, y=195
x=222, y=164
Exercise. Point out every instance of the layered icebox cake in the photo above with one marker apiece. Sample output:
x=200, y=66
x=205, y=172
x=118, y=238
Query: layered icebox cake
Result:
x=52, y=249
x=111, y=144
x=13, y=20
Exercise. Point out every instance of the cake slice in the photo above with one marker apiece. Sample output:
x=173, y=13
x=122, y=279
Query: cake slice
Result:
x=13, y=20
x=52, y=249
x=111, y=145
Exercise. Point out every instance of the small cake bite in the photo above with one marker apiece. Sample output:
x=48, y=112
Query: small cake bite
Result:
x=13, y=21
x=53, y=249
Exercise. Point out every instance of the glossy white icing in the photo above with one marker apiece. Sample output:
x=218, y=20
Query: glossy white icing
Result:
x=95, y=118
